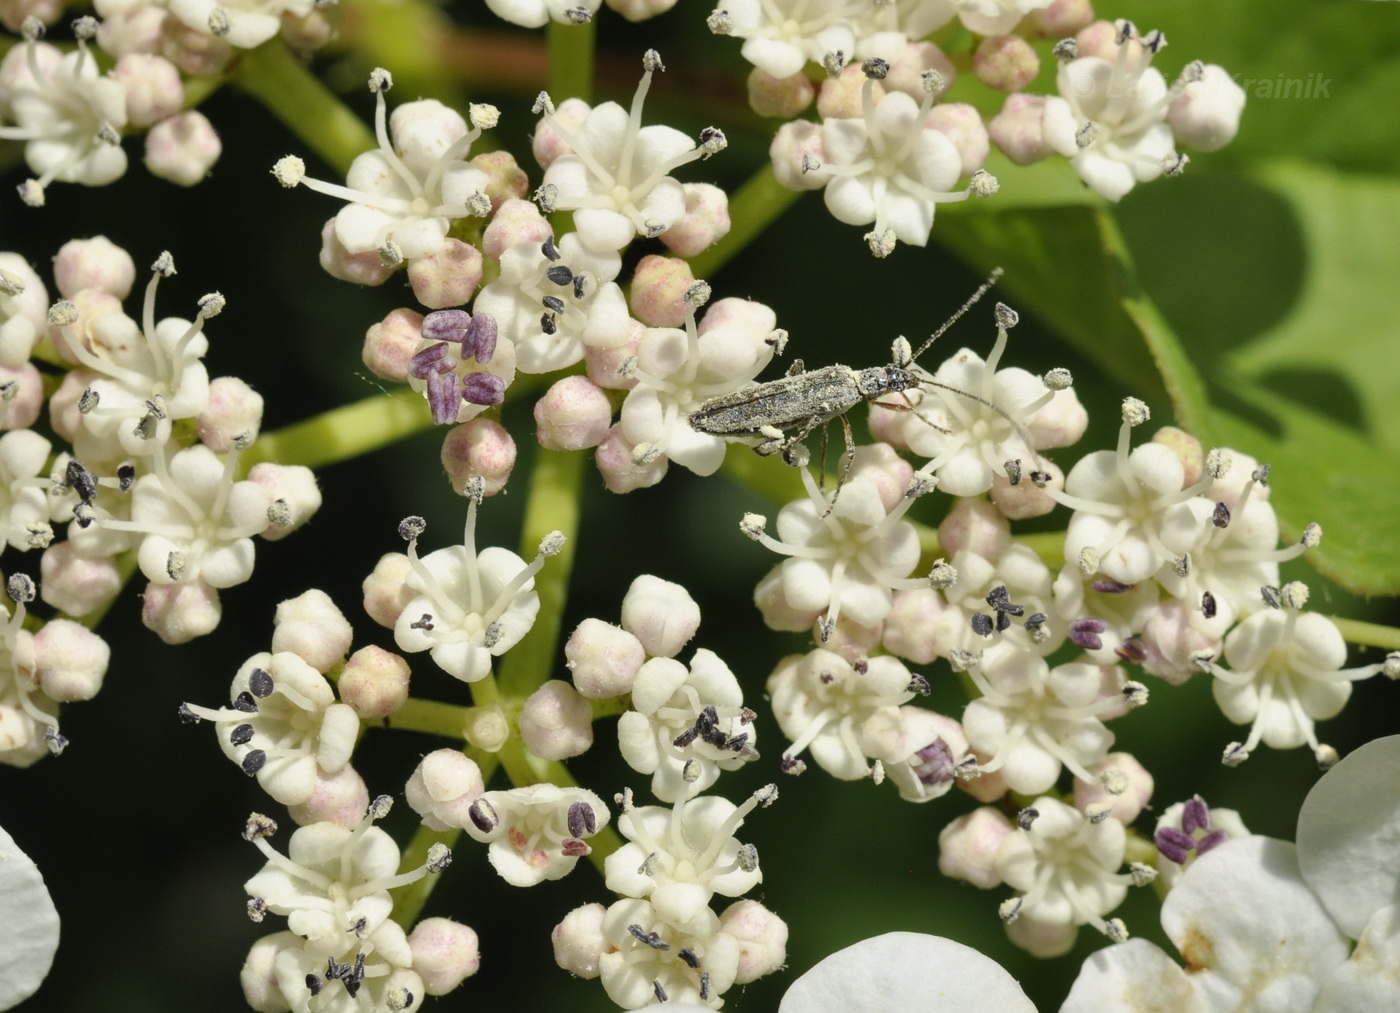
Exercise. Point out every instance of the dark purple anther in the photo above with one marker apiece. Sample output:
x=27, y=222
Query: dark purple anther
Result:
x=1132, y=650
x=982, y=624
x=999, y=598
x=1105, y=586
x=559, y=274
x=918, y=684
x=446, y=325
x=444, y=395
x=1221, y=517
x=1210, y=840
x=1207, y=604
x=483, y=389
x=1085, y=633
x=581, y=819
x=575, y=848
x=483, y=816
x=1175, y=844
x=578, y=285
x=1195, y=815
x=480, y=342
x=549, y=249
x=553, y=303
x=936, y=765
x=430, y=361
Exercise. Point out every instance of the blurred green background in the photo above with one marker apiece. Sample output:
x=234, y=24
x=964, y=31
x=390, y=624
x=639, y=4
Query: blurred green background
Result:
x=1273, y=262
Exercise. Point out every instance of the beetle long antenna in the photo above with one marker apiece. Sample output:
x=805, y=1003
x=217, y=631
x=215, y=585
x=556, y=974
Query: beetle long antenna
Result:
x=972, y=301
x=1019, y=429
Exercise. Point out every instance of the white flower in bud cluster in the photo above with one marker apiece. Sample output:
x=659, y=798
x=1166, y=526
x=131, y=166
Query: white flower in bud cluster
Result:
x=962, y=124
x=183, y=148
x=603, y=659
x=506, y=181
x=295, y=496
x=994, y=17
x=70, y=661
x=193, y=50
x=386, y=589
x=919, y=750
x=705, y=222
x=1062, y=18
x=311, y=627
x=153, y=88
x=75, y=583
x=481, y=449
x=967, y=847
x=1206, y=115
x=659, y=285
x=783, y=98
x=246, y=24
x=24, y=508
x=645, y=955
x=661, y=614
x=538, y=13
x=556, y=723
x=1006, y=62
x=701, y=708
x=445, y=953
x=24, y=306
x=130, y=29
x=340, y=798
x=1122, y=783
x=762, y=937
x=366, y=268
x=640, y=10
x=515, y=223
x=448, y=277
x=781, y=38
x=578, y=940
x=178, y=613
x=443, y=787
x=536, y=833
x=374, y=682
x=232, y=416
x=391, y=343
x=797, y=153
x=1018, y=130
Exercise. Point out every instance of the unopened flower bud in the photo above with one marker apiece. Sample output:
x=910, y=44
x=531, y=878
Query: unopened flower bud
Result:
x=506, y=181
x=705, y=222
x=962, y=124
x=1041, y=939
x=443, y=787
x=198, y=53
x=1116, y=771
x=1027, y=498
x=234, y=413
x=658, y=288
x=178, y=613
x=967, y=847
x=487, y=728
x=975, y=526
x=916, y=68
x=75, y=583
x=620, y=468
x=258, y=977
x=840, y=97
x=183, y=148
x=547, y=144
x=1206, y=115
x=579, y=941
x=479, y=449
x=339, y=798
x=762, y=939
x=312, y=30
x=391, y=343
x=1062, y=18
x=573, y=415
x=660, y=614
x=294, y=492
x=556, y=722
x=153, y=88
x=70, y=659
x=604, y=659
x=797, y=153
x=96, y=263
x=447, y=278
x=782, y=98
x=311, y=627
x=357, y=268
x=445, y=953
x=1006, y=63
x=1018, y=130
x=136, y=29
x=374, y=682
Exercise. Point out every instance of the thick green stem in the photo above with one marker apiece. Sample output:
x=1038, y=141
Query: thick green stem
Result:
x=430, y=717
x=571, y=61
x=1368, y=634
x=752, y=208
x=345, y=432
x=292, y=93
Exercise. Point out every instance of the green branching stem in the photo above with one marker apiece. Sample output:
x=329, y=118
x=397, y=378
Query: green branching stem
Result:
x=431, y=718
x=1368, y=634
x=571, y=60
x=291, y=92
x=345, y=432
x=752, y=209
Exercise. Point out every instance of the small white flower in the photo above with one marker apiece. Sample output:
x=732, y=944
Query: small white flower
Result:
x=24, y=305
x=69, y=117
x=405, y=194
x=994, y=17
x=1187, y=830
x=616, y=177
x=646, y=958
x=284, y=725
x=538, y=13
x=470, y=606
x=24, y=505
x=783, y=36
x=245, y=24
x=686, y=725
x=537, y=832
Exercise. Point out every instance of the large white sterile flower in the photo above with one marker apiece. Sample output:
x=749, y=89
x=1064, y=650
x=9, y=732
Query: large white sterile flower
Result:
x=69, y=116
x=616, y=176
x=554, y=302
x=537, y=832
x=783, y=36
x=470, y=606
x=28, y=925
x=405, y=194
x=1109, y=119
x=245, y=24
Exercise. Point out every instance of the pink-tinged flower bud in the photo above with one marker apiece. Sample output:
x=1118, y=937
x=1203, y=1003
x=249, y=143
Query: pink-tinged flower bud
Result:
x=374, y=682
x=134, y=30
x=762, y=939
x=641, y=10
x=887, y=426
x=64, y=416
x=661, y=614
x=574, y=414
x=517, y=221
x=556, y=723
x=603, y=659
x=1123, y=785
x=443, y=787
x=1006, y=63
x=295, y=496
x=447, y=278
x=96, y=263
x=1025, y=499
x=1188, y=451
x=311, y=627
x=1206, y=115
x=177, y=613
x=1101, y=39
x=985, y=788
x=391, y=343
x=1062, y=18
x=77, y=584
x=840, y=97
x=386, y=594
x=234, y=414
x=705, y=222
x=975, y=526
x=920, y=626
x=505, y=180
x=357, y=268
x=92, y=305
x=26, y=396
x=197, y=53
x=71, y=660
x=312, y=30
x=1018, y=130
x=796, y=144
x=777, y=611
x=911, y=63
x=879, y=465
x=183, y=148
x=620, y=472
x=14, y=12
x=486, y=728
x=153, y=88
x=547, y=145
x=1041, y=939
x=445, y=954
x=967, y=847
x=782, y=98
x=850, y=640
x=481, y=448
x=1170, y=640
x=604, y=365
x=339, y=798
x=962, y=124
x=579, y=940
x=658, y=293
x=259, y=974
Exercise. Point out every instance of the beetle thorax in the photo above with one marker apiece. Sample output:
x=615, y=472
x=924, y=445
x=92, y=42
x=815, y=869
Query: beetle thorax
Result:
x=885, y=380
